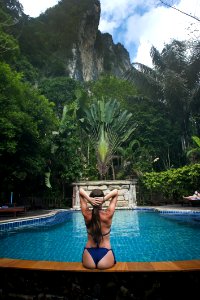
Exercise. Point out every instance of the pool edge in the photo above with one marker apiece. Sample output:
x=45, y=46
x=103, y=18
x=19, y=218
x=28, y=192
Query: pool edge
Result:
x=164, y=266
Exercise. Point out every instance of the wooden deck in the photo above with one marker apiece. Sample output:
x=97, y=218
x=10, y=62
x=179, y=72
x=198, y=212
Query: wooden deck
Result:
x=13, y=210
x=169, y=266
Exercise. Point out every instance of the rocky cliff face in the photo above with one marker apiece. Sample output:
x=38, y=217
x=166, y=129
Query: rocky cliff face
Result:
x=95, y=53
x=65, y=41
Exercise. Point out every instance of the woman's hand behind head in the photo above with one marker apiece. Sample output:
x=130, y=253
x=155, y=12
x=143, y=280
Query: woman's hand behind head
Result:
x=96, y=201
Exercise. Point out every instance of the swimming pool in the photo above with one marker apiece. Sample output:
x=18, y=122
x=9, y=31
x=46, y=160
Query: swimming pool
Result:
x=137, y=235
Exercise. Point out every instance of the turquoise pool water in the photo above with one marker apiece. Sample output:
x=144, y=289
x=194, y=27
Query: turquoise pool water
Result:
x=136, y=236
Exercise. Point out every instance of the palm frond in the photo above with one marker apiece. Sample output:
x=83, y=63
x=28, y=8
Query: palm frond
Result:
x=157, y=59
x=146, y=79
x=47, y=179
x=196, y=139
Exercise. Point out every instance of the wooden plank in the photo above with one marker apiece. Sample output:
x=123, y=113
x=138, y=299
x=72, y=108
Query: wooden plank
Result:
x=165, y=266
x=190, y=265
x=139, y=266
x=6, y=262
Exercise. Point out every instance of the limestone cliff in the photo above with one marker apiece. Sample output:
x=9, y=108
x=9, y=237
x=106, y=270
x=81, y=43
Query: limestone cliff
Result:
x=65, y=41
x=95, y=53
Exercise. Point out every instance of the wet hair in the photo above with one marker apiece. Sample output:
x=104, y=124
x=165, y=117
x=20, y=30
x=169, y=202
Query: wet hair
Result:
x=95, y=224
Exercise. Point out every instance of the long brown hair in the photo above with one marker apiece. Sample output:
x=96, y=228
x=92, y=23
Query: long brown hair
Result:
x=95, y=224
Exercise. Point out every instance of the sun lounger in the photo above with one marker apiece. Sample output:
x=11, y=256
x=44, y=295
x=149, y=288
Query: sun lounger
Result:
x=13, y=210
x=193, y=201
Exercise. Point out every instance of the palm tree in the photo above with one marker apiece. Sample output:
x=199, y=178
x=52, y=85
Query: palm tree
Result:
x=174, y=81
x=108, y=127
x=54, y=145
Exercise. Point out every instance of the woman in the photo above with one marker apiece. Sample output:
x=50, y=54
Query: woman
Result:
x=195, y=196
x=97, y=252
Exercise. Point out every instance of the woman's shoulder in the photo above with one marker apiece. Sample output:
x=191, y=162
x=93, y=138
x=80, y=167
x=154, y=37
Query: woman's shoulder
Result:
x=106, y=214
x=87, y=214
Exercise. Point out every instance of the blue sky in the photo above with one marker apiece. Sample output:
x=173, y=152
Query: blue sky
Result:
x=138, y=24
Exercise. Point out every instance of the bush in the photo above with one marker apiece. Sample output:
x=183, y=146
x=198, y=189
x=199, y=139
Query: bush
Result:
x=171, y=184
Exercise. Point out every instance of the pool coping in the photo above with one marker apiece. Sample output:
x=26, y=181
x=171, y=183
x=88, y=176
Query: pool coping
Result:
x=45, y=215
x=163, y=266
x=160, y=209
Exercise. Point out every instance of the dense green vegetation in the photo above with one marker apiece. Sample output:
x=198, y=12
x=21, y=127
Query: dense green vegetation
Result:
x=173, y=85
x=171, y=185
x=26, y=122
x=42, y=112
x=108, y=127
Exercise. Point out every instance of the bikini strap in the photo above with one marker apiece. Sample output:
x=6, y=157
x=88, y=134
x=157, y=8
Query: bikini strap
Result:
x=102, y=234
x=107, y=232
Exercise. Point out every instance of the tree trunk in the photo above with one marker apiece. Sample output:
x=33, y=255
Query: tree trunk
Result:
x=113, y=170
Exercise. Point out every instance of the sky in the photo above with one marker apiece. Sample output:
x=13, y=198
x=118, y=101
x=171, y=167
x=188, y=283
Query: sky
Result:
x=139, y=24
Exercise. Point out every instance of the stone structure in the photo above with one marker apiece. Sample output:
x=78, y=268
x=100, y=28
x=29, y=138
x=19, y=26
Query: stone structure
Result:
x=126, y=188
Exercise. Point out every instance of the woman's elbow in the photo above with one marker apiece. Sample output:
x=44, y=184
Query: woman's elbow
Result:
x=81, y=191
x=116, y=192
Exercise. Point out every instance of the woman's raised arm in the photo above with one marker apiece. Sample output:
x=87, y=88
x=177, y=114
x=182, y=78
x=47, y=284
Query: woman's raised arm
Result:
x=112, y=196
x=86, y=198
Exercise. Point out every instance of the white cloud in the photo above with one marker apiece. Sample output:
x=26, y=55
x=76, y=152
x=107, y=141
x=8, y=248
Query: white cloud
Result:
x=143, y=51
x=145, y=23
x=36, y=7
x=108, y=26
x=158, y=27
x=115, y=13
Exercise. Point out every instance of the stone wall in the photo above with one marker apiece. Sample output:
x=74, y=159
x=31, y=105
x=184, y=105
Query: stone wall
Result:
x=126, y=188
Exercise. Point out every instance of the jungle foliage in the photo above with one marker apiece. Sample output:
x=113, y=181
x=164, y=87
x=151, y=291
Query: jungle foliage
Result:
x=172, y=184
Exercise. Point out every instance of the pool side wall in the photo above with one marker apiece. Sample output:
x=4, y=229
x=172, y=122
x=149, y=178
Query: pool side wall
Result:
x=126, y=188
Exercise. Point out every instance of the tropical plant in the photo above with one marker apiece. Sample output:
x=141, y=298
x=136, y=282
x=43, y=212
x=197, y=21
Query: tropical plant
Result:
x=173, y=81
x=60, y=90
x=26, y=119
x=156, y=135
x=9, y=47
x=65, y=156
x=194, y=153
x=112, y=87
x=174, y=183
x=108, y=127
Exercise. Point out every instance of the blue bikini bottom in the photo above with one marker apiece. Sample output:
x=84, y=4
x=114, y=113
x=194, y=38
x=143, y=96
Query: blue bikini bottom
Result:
x=98, y=253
